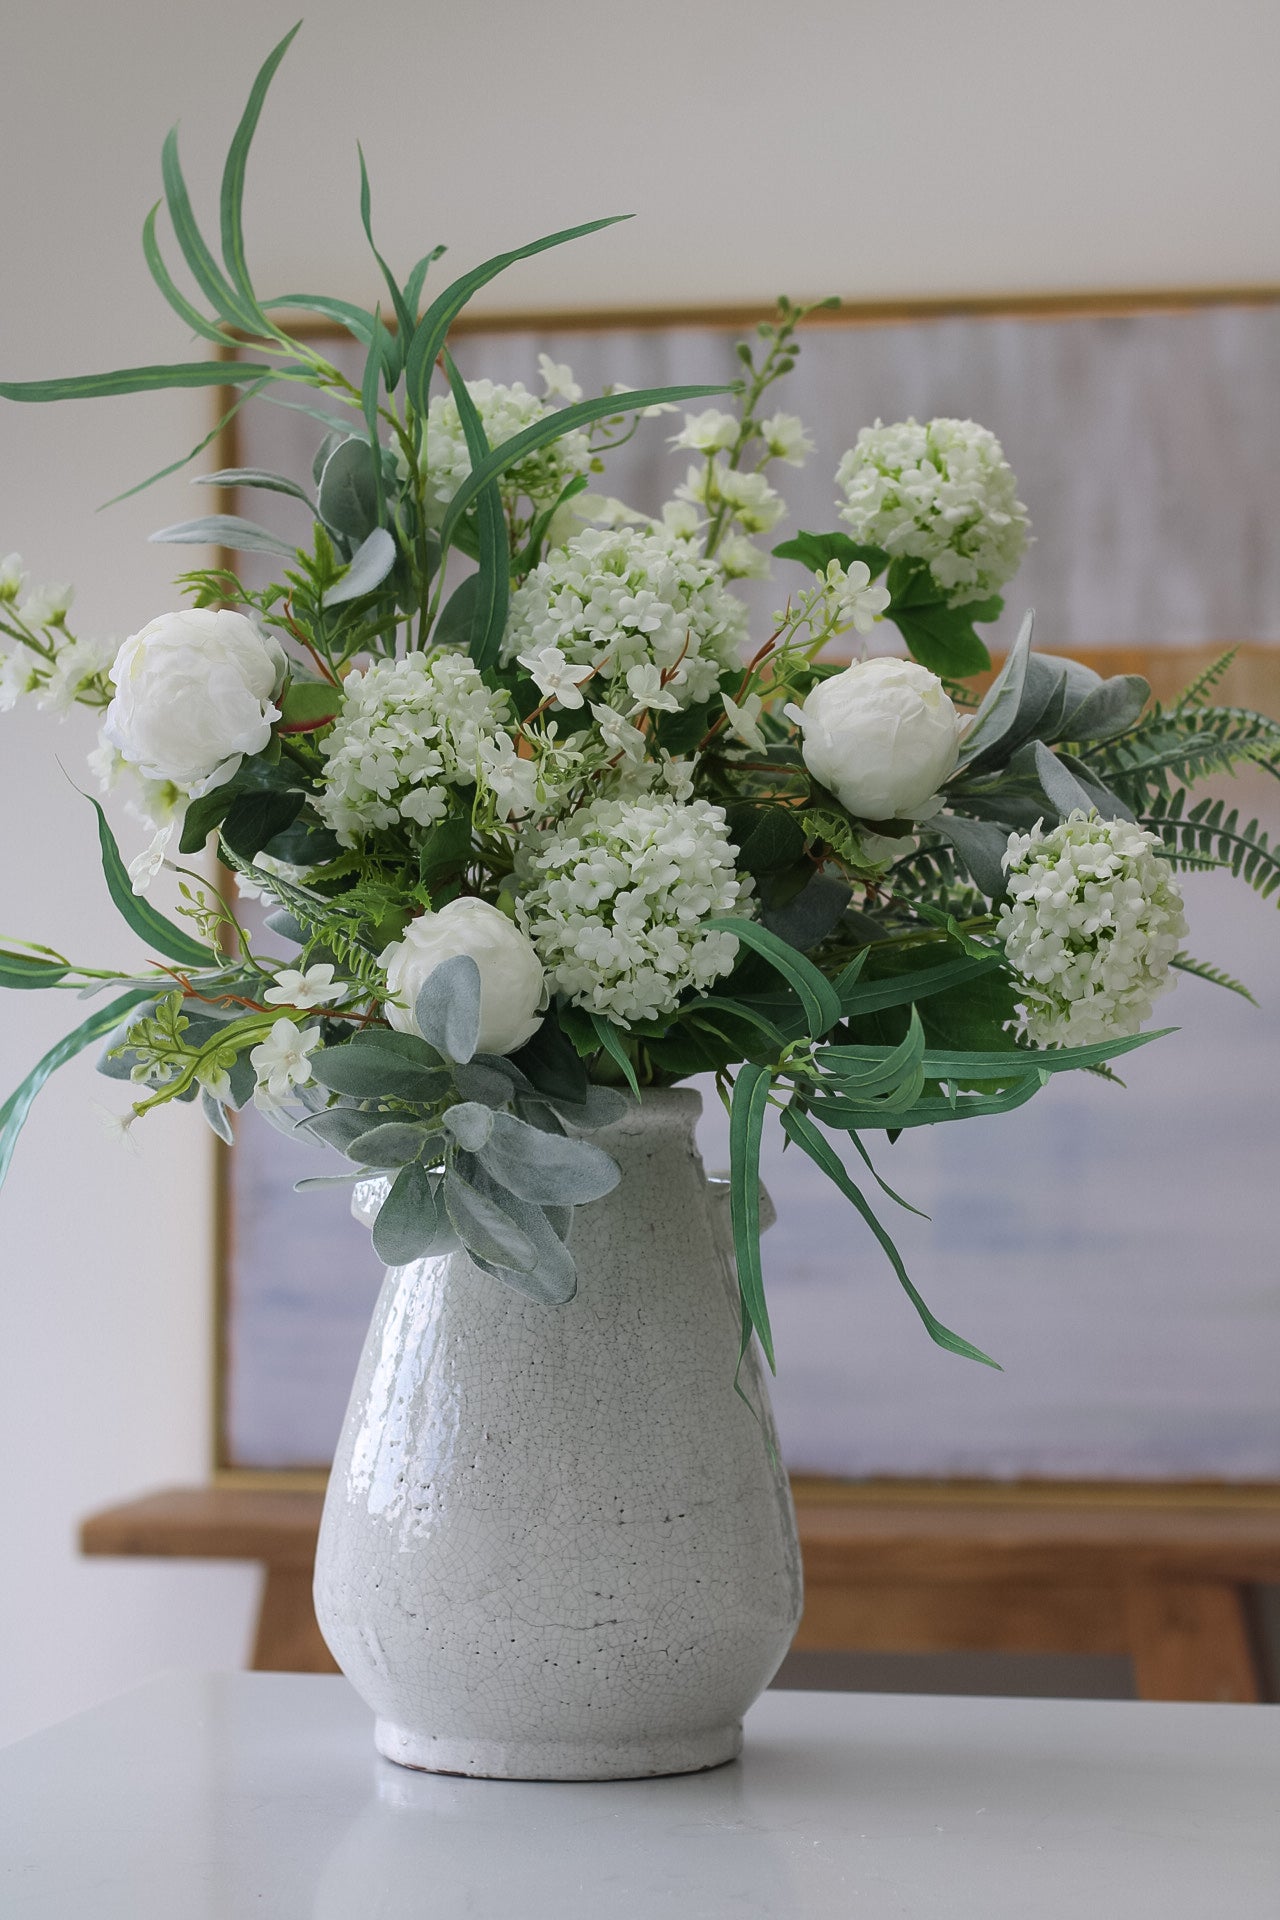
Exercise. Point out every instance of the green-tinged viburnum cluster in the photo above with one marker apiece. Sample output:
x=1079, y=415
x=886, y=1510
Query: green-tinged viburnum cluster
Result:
x=539, y=823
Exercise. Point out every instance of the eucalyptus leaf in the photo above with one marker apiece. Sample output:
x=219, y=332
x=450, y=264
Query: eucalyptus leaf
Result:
x=161, y=935
x=493, y=581
x=1111, y=709
x=29, y=970
x=99, y=386
x=998, y=713
x=817, y=996
x=748, y=1105
x=447, y=1010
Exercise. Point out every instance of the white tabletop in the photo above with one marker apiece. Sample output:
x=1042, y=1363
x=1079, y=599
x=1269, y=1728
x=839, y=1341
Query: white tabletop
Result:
x=211, y=1797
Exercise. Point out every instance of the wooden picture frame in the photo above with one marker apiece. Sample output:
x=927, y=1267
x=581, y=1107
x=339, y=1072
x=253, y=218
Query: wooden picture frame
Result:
x=1256, y=680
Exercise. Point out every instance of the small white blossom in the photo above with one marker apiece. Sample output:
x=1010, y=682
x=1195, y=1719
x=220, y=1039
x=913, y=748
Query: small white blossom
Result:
x=19, y=676
x=611, y=601
x=558, y=382
x=118, y=1126
x=615, y=896
x=1093, y=921
x=281, y=1062
x=409, y=731
x=314, y=988
x=707, y=432
x=785, y=437
x=747, y=498
x=619, y=735
x=144, y=866
x=744, y=720
x=855, y=601
x=742, y=559
x=682, y=520
x=12, y=578
x=644, y=684
x=943, y=494
x=77, y=664
x=45, y=606
x=513, y=781
x=555, y=678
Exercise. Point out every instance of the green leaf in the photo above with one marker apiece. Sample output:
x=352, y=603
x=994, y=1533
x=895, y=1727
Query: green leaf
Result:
x=26, y=970
x=411, y=1221
x=348, y=495
x=747, y=1107
x=176, y=299
x=998, y=712
x=371, y=563
x=417, y=275
x=14, y=1112
x=493, y=581
x=97, y=386
x=768, y=839
x=205, y=270
x=251, y=391
x=817, y=550
x=161, y=935
x=308, y=704
x=431, y=331
x=941, y=638
x=1182, y=961
x=801, y=1129
x=254, y=477
x=458, y=616
x=610, y=1039
x=405, y=321
x=234, y=173
x=254, y=819
x=818, y=997
x=359, y=324
x=223, y=530
x=552, y=427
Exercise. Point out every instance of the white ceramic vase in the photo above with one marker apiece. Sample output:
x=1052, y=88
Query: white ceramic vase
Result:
x=556, y=1543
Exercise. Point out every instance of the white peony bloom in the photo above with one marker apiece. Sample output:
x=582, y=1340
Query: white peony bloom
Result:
x=883, y=736
x=943, y=494
x=512, y=986
x=613, y=600
x=1093, y=921
x=314, y=988
x=282, y=1062
x=409, y=731
x=194, y=694
x=615, y=896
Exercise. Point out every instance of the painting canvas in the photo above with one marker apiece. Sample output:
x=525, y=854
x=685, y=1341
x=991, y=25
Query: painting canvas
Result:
x=1112, y=1249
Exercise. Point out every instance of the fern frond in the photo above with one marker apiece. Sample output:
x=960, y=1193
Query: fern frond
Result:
x=1208, y=831
x=1202, y=686
x=1216, y=977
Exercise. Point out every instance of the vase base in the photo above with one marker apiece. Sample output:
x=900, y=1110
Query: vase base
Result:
x=559, y=1759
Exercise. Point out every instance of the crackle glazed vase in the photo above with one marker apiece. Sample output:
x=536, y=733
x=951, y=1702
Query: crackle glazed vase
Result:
x=556, y=1544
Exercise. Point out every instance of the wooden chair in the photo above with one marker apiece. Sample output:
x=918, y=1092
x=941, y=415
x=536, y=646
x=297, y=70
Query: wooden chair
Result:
x=1164, y=1575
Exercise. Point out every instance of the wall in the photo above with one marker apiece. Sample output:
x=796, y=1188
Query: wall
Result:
x=863, y=146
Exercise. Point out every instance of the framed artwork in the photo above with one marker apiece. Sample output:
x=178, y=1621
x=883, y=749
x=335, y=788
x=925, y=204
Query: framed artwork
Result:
x=1115, y=1251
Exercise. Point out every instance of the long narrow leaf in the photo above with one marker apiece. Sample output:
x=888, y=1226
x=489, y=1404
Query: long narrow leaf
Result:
x=233, y=174
x=489, y=614
x=607, y=1034
x=807, y=1137
x=818, y=997
x=104, y=386
x=404, y=320
x=873, y=996
x=956, y=1063
x=431, y=331
x=224, y=530
x=357, y=322
x=563, y=420
x=161, y=935
x=175, y=466
x=29, y=970
x=205, y=270
x=164, y=280
x=14, y=1112
x=746, y=1124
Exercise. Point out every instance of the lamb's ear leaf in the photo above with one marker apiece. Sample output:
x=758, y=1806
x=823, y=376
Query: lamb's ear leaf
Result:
x=549, y=1169
x=447, y=1010
x=14, y=1112
x=484, y=1228
x=411, y=1221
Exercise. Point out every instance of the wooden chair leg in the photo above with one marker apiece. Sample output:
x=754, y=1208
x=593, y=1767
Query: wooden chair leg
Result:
x=288, y=1639
x=1192, y=1642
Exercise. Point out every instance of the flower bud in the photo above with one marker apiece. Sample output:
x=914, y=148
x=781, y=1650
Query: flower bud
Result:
x=512, y=985
x=882, y=736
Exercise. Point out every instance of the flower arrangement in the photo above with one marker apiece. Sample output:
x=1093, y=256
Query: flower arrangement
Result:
x=540, y=826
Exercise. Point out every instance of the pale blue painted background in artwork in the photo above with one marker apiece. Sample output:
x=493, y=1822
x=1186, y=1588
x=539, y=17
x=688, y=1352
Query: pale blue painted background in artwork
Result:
x=1114, y=1250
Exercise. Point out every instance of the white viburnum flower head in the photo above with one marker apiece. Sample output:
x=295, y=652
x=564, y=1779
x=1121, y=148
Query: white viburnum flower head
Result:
x=408, y=733
x=785, y=437
x=613, y=600
x=504, y=412
x=943, y=494
x=512, y=985
x=316, y=987
x=856, y=602
x=195, y=693
x=1091, y=926
x=708, y=432
x=882, y=736
x=614, y=898
x=282, y=1062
